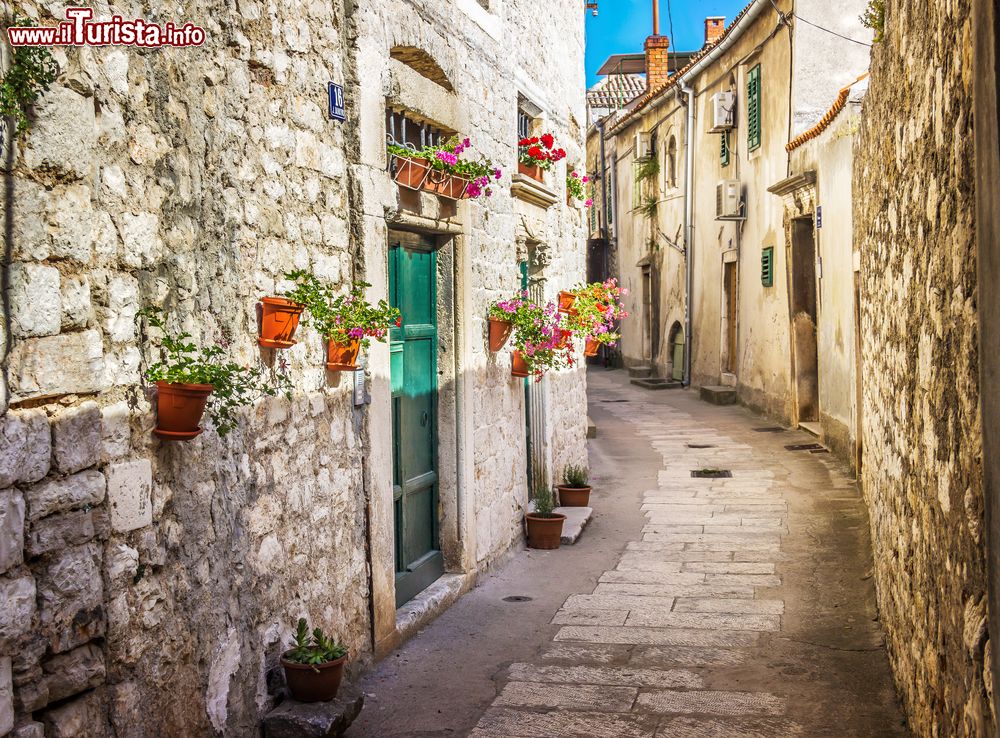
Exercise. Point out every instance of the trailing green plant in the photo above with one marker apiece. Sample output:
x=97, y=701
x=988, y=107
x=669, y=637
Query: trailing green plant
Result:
x=649, y=208
x=647, y=169
x=342, y=318
x=536, y=334
x=874, y=18
x=596, y=311
x=446, y=157
x=233, y=385
x=545, y=501
x=575, y=476
x=313, y=649
x=31, y=72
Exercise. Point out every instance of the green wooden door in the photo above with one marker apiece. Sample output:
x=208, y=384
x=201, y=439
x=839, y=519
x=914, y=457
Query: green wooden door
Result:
x=413, y=352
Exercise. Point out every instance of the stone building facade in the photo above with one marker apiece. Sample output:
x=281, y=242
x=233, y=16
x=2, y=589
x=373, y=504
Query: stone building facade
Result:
x=922, y=464
x=148, y=586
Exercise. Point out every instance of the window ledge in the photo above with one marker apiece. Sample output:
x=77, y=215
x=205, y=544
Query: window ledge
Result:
x=532, y=191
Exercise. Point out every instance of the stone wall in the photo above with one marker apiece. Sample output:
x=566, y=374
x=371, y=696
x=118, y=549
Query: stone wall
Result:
x=921, y=470
x=151, y=586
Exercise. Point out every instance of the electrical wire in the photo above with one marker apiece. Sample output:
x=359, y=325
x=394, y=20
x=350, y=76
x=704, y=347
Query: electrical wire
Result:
x=673, y=46
x=827, y=30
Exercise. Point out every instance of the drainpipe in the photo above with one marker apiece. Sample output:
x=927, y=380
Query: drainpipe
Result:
x=604, y=192
x=688, y=93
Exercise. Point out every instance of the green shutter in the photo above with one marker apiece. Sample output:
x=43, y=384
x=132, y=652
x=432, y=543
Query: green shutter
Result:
x=753, y=109
x=767, y=266
x=725, y=148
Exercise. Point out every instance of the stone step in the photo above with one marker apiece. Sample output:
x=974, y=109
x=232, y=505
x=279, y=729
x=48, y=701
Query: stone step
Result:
x=656, y=383
x=640, y=371
x=591, y=428
x=719, y=395
x=812, y=427
x=576, y=520
x=292, y=719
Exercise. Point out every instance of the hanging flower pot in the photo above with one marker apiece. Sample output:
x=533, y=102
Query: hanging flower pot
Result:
x=410, y=173
x=278, y=321
x=566, y=300
x=592, y=347
x=544, y=531
x=179, y=408
x=562, y=338
x=342, y=357
x=518, y=366
x=447, y=185
x=535, y=172
x=499, y=333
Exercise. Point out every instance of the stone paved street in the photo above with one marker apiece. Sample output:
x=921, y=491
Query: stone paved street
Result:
x=741, y=607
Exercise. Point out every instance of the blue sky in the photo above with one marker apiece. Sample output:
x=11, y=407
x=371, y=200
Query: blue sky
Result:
x=622, y=26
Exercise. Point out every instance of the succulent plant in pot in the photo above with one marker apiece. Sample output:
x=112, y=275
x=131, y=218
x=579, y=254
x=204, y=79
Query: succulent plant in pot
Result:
x=574, y=491
x=544, y=525
x=190, y=378
x=314, y=666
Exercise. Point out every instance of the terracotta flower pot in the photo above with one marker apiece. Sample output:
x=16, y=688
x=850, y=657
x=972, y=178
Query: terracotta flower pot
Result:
x=499, y=333
x=342, y=357
x=566, y=300
x=573, y=496
x=317, y=683
x=591, y=348
x=562, y=338
x=179, y=408
x=518, y=366
x=278, y=321
x=544, y=533
x=411, y=173
x=446, y=185
x=535, y=172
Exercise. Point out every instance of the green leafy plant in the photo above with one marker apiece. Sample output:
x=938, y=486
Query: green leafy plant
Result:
x=342, y=318
x=233, y=385
x=596, y=311
x=575, y=476
x=32, y=71
x=545, y=501
x=647, y=169
x=314, y=649
x=446, y=157
x=648, y=208
x=874, y=18
x=537, y=333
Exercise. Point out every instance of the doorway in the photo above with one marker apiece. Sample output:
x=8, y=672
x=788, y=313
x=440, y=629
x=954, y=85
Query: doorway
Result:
x=729, y=289
x=677, y=352
x=803, y=308
x=647, y=313
x=413, y=367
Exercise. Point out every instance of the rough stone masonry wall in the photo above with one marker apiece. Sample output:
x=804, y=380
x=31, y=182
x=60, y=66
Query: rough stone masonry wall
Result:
x=921, y=426
x=147, y=587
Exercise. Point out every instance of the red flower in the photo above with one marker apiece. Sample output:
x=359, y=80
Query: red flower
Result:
x=535, y=153
x=547, y=140
x=399, y=322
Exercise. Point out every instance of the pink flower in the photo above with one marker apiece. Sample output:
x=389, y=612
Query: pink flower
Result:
x=586, y=179
x=497, y=173
x=590, y=201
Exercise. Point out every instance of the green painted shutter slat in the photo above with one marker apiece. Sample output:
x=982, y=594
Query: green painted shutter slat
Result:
x=725, y=148
x=753, y=108
x=767, y=266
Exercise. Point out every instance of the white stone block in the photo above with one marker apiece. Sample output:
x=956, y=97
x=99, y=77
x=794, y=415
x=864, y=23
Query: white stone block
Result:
x=60, y=494
x=63, y=134
x=25, y=446
x=141, y=236
x=6, y=697
x=31, y=233
x=72, y=219
x=115, y=431
x=57, y=365
x=35, y=300
x=18, y=611
x=11, y=529
x=129, y=489
x=76, y=437
x=76, y=307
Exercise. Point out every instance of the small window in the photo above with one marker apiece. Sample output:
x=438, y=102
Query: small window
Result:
x=672, y=162
x=767, y=266
x=609, y=202
x=524, y=121
x=725, y=148
x=753, y=109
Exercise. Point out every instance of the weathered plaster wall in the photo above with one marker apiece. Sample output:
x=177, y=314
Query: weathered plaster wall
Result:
x=922, y=473
x=148, y=588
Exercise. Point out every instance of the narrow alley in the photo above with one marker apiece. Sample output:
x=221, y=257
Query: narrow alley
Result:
x=732, y=607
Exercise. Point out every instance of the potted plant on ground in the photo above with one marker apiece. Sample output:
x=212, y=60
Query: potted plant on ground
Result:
x=536, y=340
x=441, y=169
x=574, y=491
x=537, y=154
x=576, y=194
x=544, y=525
x=349, y=322
x=314, y=666
x=500, y=317
x=190, y=378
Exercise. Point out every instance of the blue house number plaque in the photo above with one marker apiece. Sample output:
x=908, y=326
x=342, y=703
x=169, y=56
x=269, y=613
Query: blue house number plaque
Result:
x=336, y=94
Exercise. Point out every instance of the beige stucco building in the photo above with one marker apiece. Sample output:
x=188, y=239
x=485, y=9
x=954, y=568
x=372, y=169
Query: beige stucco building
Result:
x=149, y=587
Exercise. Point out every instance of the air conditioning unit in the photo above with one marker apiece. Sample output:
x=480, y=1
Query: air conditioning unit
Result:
x=728, y=200
x=723, y=112
x=643, y=146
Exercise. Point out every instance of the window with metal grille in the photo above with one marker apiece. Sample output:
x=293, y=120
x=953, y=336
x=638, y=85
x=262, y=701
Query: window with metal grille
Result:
x=767, y=266
x=725, y=148
x=591, y=189
x=523, y=124
x=753, y=109
x=405, y=131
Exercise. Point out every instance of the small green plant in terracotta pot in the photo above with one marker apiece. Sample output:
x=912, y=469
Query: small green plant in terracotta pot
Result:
x=574, y=491
x=544, y=524
x=314, y=666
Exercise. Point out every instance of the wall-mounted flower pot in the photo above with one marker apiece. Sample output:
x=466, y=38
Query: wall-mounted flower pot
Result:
x=544, y=533
x=446, y=185
x=591, y=347
x=179, y=408
x=278, y=321
x=573, y=496
x=535, y=172
x=342, y=357
x=562, y=338
x=499, y=333
x=518, y=366
x=319, y=683
x=410, y=173
x=566, y=300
